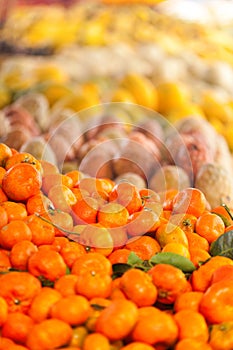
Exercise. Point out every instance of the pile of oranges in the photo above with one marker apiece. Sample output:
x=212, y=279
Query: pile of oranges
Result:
x=87, y=264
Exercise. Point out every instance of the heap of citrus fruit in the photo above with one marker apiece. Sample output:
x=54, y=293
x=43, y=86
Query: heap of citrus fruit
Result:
x=89, y=264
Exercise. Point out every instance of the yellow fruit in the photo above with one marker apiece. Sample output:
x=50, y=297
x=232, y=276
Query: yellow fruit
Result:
x=123, y=95
x=55, y=92
x=5, y=96
x=185, y=110
x=171, y=96
x=50, y=73
x=142, y=89
x=215, y=107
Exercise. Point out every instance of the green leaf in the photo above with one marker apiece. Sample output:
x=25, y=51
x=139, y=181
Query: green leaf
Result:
x=133, y=259
x=119, y=269
x=174, y=259
x=223, y=245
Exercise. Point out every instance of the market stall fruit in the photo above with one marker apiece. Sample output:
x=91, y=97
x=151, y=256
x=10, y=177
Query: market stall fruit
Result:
x=109, y=260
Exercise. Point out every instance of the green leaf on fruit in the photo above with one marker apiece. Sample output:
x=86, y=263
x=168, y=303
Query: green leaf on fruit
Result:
x=133, y=259
x=174, y=259
x=223, y=245
x=119, y=269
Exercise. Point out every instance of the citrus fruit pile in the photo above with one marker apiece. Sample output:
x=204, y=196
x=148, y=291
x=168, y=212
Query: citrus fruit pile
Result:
x=86, y=263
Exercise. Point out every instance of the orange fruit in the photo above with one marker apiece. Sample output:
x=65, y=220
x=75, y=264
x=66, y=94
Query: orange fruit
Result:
x=169, y=233
x=188, y=300
x=190, y=201
x=85, y=211
x=127, y=195
x=170, y=282
x=71, y=252
x=93, y=284
x=49, y=334
x=14, y=232
x=196, y=241
x=38, y=203
x=96, y=341
x=137, y=346
x=21, y=182
x=5, y=154
x=143, y=246
x=217, y=303
x=155, y=327
x=143, y=221
x=118, y=319
x=41, y=304
x=92, y=262
x=185, y=221
x=137, y=285
x=222, y=273
x=15, y=211
x=54, y=179
x=73, y=309
x=119, y=256
x=62, y=197
x=113, y=215
x=210, y=226
x=198, y=256
x=20, y=253
x=66, y=285
x=97, y=238
x=192, y=344
x=23, y=158
x=42, y=232
x=47, y=263
x=221, y=336
x=191, y=324
x=177, y=248
x=17, y=327
x=201, y=278
x=19, y=289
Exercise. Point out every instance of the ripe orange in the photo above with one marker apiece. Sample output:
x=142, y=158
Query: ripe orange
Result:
x=127, y=195
x=143, y=221
x=14, y=232
x=143, y=246
x=66, y=285
x=85, y=211
x=19, y=289
x=155, y=327
x=191, y=324
x=21, y=182
x=73, y=309
x=41, y=304
x=137, y=285
x=47, y=263
x=17, y=327
x=190, y=201
x=210, y=226
x=188, y=300
x=20, y=253
x=113, y=215
x=217, y=303
x=118, y=319
x=170, y=282
x=49, y=334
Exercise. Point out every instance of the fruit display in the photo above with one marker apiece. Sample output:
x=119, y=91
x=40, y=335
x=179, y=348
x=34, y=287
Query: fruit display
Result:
x=116, y=178
x=88, y=263
x=94, y=119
